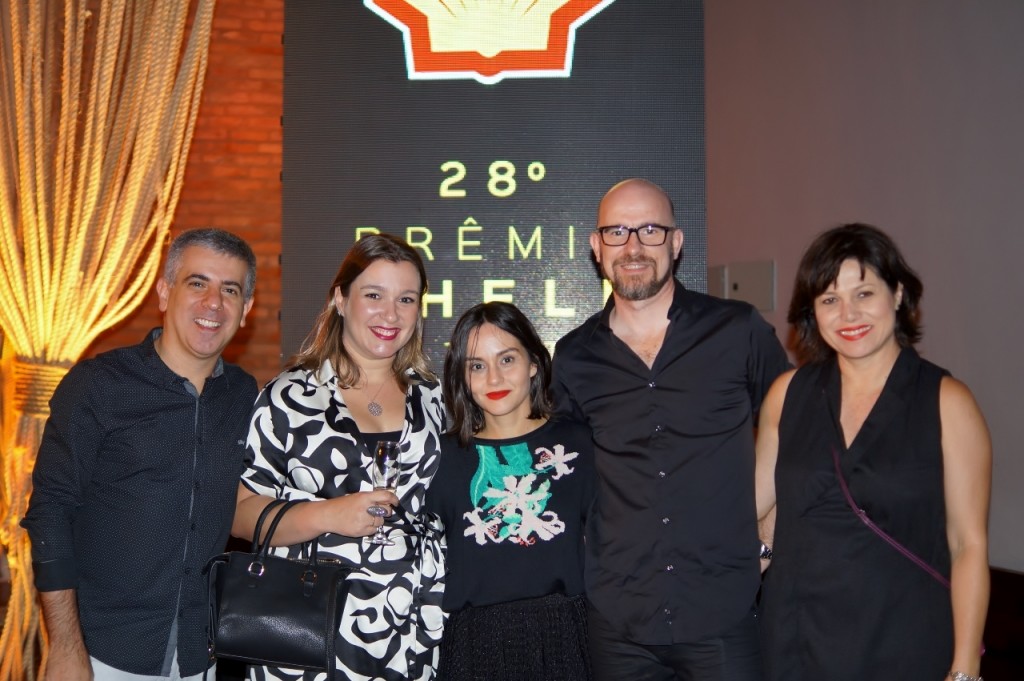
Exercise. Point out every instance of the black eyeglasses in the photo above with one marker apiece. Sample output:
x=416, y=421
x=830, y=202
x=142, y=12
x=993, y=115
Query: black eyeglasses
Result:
x=648, y=235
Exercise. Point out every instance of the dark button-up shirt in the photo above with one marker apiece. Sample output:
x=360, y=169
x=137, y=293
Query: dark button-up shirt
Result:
x=135, y=487
x=672, y=550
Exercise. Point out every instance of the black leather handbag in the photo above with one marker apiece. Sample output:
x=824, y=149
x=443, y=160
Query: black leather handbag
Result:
x=275, y=611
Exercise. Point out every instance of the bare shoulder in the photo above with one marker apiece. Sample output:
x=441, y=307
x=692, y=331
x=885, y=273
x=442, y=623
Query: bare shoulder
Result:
x=961, y=416
x=967, y=460
x=771, y=407
x=777, y=393
x=955, y=396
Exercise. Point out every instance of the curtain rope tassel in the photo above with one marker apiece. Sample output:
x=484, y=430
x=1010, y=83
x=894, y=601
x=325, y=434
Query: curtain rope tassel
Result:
x=34, y=383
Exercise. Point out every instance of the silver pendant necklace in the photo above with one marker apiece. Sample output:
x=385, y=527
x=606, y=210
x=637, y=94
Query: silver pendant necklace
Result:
x=373, y=406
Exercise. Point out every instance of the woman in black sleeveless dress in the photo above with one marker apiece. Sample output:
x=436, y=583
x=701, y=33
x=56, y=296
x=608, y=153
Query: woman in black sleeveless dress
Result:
x=839, y=601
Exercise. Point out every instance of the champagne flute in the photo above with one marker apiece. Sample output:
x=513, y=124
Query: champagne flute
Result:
x=385, y=476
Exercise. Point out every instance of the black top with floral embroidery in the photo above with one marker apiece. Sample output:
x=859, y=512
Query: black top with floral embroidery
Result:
x=514, y=512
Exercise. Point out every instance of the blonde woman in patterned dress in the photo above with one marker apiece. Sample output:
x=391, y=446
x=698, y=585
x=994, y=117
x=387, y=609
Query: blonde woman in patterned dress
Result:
x=361, y=376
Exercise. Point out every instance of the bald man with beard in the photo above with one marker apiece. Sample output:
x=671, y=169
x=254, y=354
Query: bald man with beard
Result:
x=670, y=382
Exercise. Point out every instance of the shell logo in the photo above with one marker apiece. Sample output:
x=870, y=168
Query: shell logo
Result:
x=487, y=40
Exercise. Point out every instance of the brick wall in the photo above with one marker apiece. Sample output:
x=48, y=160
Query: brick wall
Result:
x=233, y=175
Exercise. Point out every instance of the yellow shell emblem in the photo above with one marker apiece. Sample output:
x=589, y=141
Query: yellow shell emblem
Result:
x=487, y=40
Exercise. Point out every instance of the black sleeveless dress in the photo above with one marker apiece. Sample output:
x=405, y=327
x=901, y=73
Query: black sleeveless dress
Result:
x=838, y=602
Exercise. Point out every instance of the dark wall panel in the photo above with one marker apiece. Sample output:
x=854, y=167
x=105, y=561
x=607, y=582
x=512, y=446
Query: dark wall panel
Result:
x=497, y=182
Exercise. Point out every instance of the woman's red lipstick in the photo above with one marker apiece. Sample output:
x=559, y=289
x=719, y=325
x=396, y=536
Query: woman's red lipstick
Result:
x=497, y=394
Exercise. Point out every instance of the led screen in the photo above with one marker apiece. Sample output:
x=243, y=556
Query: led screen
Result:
x=485, y=136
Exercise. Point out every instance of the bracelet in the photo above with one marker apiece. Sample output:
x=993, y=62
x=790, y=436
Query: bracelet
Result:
x=960, y=676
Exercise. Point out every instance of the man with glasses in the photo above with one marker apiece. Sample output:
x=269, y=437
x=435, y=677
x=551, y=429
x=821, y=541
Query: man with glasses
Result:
x=670, y=382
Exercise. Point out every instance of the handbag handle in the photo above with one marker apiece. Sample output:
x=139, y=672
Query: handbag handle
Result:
x=274, y=503
x=863, y=515
x=256, y=566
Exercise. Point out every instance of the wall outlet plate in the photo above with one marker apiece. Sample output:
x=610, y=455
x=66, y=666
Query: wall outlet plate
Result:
x=753, y=282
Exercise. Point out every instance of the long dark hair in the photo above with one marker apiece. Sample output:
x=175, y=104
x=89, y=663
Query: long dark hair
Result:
x=467, y=417
x=819, y=268
x=324, y=342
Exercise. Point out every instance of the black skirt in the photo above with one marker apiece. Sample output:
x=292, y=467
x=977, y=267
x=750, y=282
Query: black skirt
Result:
x=539, y=639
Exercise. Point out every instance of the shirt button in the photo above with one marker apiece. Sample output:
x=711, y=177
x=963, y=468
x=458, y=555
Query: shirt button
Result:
x=658, y=429
x=193, y=528
x=651, y=384
x=667, y=612
x=665, y=521
x=661, y=474
x=196, y=485
x=670, y=568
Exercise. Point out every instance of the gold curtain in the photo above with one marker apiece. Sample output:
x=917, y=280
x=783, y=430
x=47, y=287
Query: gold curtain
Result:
x=98, y=102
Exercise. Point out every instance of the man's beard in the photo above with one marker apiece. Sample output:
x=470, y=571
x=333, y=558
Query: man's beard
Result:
x=638, y=287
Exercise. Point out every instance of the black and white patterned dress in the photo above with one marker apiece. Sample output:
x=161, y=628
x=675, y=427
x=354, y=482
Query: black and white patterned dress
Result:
x=304, y=444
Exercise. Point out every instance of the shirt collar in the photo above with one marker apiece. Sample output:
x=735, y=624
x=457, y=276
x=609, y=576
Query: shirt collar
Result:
x=152, y=358
x=327, y=376
x=682, y=300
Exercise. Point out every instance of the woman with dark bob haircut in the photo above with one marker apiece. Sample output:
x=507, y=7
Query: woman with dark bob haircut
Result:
x=513, y=490
x=873, y=482
x=361, y=377
x=819, y=268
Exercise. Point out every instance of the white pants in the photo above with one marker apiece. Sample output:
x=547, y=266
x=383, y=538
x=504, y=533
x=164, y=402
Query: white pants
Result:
x=104, y=672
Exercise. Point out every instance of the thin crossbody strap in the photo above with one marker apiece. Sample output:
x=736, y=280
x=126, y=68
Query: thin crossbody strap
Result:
x=862, y=514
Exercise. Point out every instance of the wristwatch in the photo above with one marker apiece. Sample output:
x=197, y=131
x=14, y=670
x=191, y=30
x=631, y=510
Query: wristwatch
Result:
x=960, y=676
x=767, y=553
